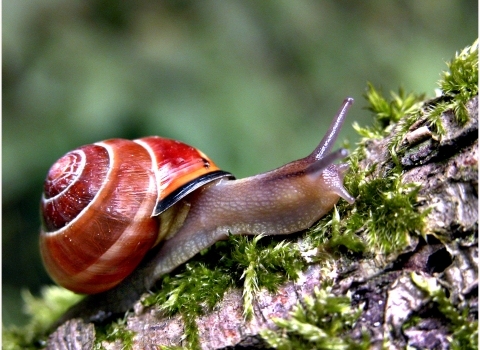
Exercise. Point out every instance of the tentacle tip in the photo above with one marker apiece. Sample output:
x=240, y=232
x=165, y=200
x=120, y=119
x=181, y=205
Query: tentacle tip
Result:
x=349, y=100
x=343, y=152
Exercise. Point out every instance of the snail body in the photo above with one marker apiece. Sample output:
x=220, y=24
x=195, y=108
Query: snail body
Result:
x=108, y=205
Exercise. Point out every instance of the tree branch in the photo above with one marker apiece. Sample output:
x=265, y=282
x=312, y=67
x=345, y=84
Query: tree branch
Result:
x=445, y=255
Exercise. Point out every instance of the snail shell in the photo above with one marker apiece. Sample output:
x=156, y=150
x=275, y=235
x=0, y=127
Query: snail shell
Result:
x=100, y=206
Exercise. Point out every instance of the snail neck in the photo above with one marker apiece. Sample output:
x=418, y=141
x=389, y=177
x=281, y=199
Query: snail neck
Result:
x=270, y=203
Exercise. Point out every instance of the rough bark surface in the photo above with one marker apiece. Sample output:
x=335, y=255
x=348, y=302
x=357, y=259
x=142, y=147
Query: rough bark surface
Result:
x=447, y=170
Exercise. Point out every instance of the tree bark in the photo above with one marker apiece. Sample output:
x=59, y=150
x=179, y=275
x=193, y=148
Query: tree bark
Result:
x=447, y=170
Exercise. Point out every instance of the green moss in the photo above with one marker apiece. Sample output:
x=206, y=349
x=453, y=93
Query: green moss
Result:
x=346, y=239
x=460, y=83
x=403, y=110
x=267, y=268
x=388, y=112
x=464, y=330
x=113, y=332
x=43, y=312
x=381, y=222
x=386, y=214
x=319, y=322
x=196, y=290
x=457, y=86
x=433, y=116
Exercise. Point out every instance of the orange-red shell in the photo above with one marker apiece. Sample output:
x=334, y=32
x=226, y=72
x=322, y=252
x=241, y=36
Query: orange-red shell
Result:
x=99, y=206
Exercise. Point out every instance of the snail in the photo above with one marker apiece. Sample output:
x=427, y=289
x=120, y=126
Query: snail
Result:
x=119, y=214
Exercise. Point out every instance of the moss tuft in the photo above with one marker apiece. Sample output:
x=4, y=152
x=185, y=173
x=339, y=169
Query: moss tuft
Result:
x=460, y=83
x=457, y=86
x=264, y=268
x=320, y=322
x=389, y=112
x=329, y=235
x=386, y=214
x=196, y=290
x=384, y=217
x=115, y=331
x=464, y=330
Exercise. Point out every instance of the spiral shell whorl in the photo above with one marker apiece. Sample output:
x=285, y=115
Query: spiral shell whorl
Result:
x=63, y=173
x=82, y=250
x=72, y=183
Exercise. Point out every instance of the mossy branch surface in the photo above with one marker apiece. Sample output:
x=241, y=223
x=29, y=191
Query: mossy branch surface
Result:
x=260, y=262
x=321, y=321
x=464, y=331
x=113, y=332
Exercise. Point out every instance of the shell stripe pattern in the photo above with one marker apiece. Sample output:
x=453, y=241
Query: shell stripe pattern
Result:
x=98, y=204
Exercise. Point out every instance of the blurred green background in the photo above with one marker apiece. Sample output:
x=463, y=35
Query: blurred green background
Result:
x=254, y=84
